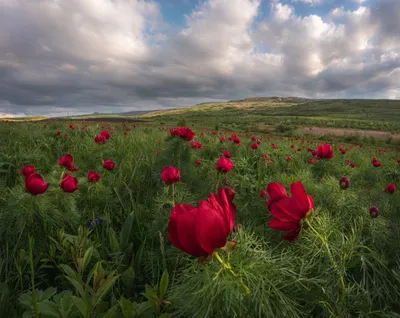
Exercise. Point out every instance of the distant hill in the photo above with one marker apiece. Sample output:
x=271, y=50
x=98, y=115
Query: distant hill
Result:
x=265, y=112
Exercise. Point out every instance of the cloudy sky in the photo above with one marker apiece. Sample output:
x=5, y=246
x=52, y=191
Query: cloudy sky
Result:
x=62, y=57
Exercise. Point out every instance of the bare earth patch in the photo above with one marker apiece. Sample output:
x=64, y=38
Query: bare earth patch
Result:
x=350, y=132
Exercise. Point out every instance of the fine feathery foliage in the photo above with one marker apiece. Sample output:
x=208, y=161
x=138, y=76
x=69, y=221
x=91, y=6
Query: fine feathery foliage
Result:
x=103, y=249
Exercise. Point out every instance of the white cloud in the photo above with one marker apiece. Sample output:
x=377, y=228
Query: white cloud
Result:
x=102, y=53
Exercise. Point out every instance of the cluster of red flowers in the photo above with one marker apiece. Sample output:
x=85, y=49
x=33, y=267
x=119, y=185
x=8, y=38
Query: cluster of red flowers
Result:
x=196, y=145
x=183, y=132
x=35, y=184
x=376, y=163
x=103, y=137
x=325, y=151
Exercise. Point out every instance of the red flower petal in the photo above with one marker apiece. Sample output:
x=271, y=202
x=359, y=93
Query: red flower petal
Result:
x=279, y=225
x=212, y=227
x=287, y=210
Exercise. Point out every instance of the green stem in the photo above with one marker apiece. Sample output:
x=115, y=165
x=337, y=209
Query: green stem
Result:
x=229, y=268
x=173, y=194
x=334, y=264
x=35, y=303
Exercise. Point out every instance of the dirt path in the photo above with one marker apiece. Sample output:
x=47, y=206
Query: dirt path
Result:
x=350, y=132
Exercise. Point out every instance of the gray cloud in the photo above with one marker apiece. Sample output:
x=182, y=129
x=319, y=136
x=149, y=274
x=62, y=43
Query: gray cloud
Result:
x=99, y=55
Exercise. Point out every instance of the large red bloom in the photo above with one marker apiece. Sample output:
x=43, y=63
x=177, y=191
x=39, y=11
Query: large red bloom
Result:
x=69, y=183
x=171, y=175
x=67, y=162
x=325, y=151
x=224, y=165
x=105, y=133
x=100, y=139
x=109, y=165
x=288, y=212
x=199, y=231
x=276, y=192
x=183, y=132
x=93, y=176
x=35, y=184
x=28, y=170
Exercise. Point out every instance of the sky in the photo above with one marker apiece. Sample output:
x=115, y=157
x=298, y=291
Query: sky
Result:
x=60, y=57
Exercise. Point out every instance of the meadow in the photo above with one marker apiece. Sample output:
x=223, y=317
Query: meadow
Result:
x=150, y=220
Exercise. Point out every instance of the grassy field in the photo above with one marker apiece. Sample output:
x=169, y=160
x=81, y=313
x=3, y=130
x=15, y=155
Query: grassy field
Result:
x=115, y=241
x=260, y=114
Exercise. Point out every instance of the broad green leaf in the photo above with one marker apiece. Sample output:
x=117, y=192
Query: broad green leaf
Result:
x=81, y=305
x=164, y=284
x=48, y=293
x=87, y=257
x=48, y=308
x=128, y=276
x=126, y=232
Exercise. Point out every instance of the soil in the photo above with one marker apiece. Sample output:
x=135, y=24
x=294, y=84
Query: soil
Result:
x=350, y=132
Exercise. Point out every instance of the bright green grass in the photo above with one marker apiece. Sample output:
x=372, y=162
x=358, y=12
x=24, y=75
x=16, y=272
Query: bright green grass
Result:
x=285, y=280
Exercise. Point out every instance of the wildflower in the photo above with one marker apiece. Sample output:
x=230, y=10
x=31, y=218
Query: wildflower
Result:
x=344, y=182
x=109, y=165
x=254, y=146
x=374, y=211
x=193, y=233
x=67, y=162
x=325, y=151
x=226, y=154
x=224, y=165
x=289, y=212
x=106, y=134
x=35, y=184
x=28, y=170
x=93, y=176
x=171, y=175
x=69, y=183
x=100, y=139
x=391, y=188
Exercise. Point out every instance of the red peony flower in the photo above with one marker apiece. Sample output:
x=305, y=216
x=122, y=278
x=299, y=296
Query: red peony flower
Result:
x=288, y=158
x=93, y=176
x=106, y=134
x=35, y=184
x=100, y=139
x=391, y=188
x=325, y=151
x=265, y=156
x=58, y=133
x=222, y=139
x=289, y=212
x=183, y=132
x=198, y=162
x=263, y=194
x=224, y=165
x=344, y=182
x=275, y=146
x=226, y=154
x=109, y=165
x=28, y=170
x=374, y=211
x=253, y=138
x=171, y=175
x=254, y=146
x=199, y=231
x=69, y=183
x=196, y=145
x=67, y=162
x=376, y=164
x=236, y=140
x=276, y=192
